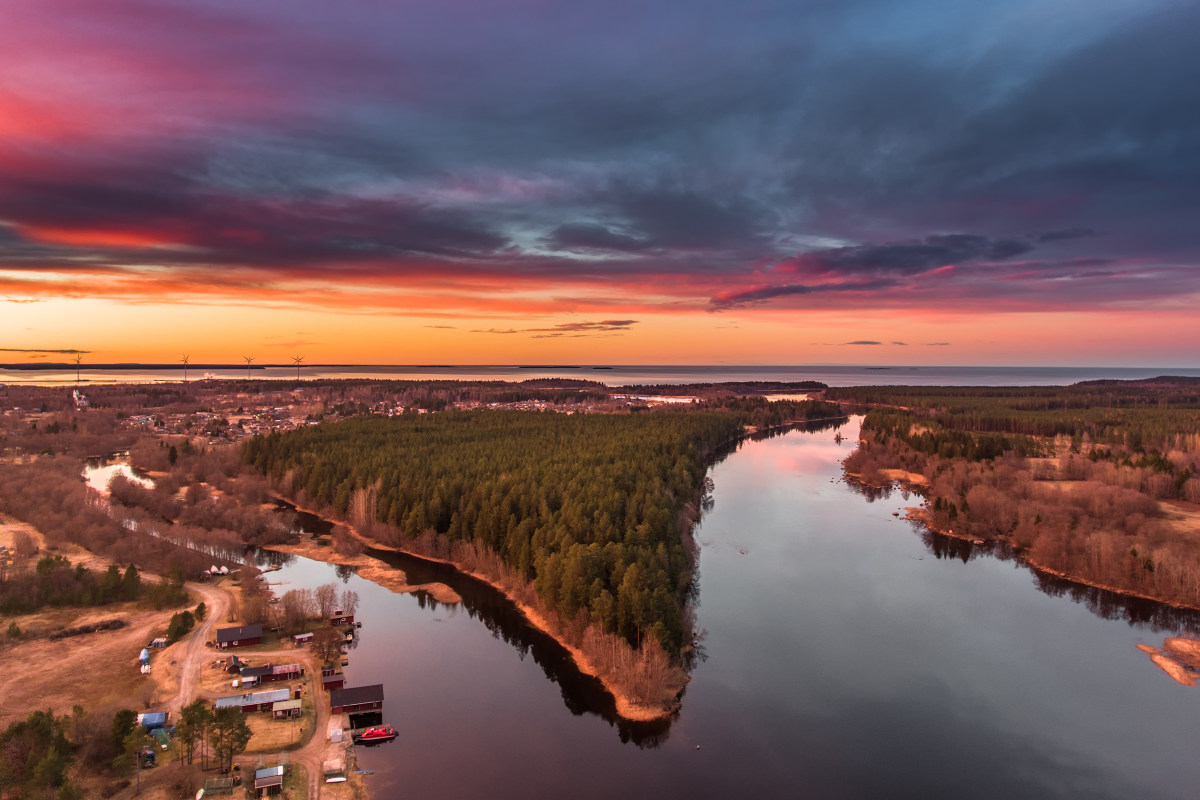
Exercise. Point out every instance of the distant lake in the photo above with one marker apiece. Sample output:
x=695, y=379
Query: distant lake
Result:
x=848, y=655
x=619, y=375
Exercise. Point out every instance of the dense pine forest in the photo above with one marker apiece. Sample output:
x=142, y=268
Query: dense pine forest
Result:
x=1099, y=481
x=589, y=508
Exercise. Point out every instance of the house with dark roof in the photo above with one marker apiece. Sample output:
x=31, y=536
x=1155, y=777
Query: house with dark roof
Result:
x=241, y=636
x=357, y=699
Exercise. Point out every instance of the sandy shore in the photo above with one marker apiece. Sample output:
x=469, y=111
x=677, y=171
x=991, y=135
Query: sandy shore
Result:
x=1177, y=655
x=369, y=568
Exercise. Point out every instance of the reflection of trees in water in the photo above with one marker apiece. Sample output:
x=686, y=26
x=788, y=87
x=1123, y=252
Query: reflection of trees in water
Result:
x=269, y=558
x=871, y=493
x=1139, y=613
x=344, y=571
x=948, y=547
x=1106, y=604
x=582, y=694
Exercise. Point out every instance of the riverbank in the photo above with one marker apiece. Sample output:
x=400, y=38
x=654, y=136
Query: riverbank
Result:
x=627, y=707
x=368, y=567
x=922, y=516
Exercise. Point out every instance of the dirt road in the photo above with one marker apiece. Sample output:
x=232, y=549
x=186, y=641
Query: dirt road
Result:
x=193, y=652
x=318, y=749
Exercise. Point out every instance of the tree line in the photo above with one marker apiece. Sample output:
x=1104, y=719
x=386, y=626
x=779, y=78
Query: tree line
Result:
x=1083, y=500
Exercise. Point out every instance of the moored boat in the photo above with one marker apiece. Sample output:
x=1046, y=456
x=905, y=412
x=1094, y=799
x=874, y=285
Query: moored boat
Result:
x=381, y=733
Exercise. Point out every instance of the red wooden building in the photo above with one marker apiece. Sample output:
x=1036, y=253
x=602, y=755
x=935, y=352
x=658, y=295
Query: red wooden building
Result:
x=241, y=636
x=357, y=699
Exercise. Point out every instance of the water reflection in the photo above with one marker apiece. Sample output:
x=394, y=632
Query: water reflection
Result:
x=842, y=662
x=582, y=694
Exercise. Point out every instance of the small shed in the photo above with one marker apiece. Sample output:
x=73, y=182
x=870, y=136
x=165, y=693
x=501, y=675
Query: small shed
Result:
x=301, y=639
x=333, y=681
x=159, y=643
x=341, y=618
x=286, y=709
x=268, y=781
x=357, y=699
x=256, y=673
x=241, y=636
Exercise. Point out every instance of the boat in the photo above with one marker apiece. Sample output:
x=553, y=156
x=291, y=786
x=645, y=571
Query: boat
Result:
x=383, y=733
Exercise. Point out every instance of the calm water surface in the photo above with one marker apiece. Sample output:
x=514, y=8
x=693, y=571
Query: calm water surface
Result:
x=845, y=659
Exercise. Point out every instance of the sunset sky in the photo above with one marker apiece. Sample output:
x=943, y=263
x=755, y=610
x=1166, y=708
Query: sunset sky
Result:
x=794, y=182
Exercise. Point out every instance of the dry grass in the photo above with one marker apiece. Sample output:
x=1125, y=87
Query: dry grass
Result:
x=97, y=670
x=1182, y=517
x=270, y=735
x=904, y=476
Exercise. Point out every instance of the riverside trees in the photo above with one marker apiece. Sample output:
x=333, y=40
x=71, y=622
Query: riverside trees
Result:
x=1073, y=477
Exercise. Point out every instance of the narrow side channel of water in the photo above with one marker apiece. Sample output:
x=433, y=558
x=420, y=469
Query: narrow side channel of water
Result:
x=848, y=656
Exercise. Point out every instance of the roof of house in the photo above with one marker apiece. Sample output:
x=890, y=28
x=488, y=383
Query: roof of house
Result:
x=285, y=669
x=336, y=677
x=266, y=772
x=153, y=718
x=286, y=705
x=357, y=695
x=240, y=632
x=270, y=780
x=256, y=672
x=254, y=698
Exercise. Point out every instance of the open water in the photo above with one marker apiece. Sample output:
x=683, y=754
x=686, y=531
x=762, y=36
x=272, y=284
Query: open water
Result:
x=848, y=655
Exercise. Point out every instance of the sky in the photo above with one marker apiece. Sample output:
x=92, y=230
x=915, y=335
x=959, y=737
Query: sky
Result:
x=460, y=181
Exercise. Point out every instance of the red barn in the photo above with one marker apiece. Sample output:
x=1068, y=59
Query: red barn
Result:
x=241, y=636
x=357, y=699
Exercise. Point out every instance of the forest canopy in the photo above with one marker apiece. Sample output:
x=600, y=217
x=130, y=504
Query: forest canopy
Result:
x=589, y=508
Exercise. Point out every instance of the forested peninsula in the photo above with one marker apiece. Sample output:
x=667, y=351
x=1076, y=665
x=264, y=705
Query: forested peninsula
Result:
x=1098, y=482
x=583, y=519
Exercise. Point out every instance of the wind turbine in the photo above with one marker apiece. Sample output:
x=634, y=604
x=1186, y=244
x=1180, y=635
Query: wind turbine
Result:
x=297, y=360
x=185, y=363
x=249, y=360
x=78, y=361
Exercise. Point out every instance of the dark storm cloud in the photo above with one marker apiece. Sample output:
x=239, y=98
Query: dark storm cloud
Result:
x=909, y=257
x=864, y=342
x=567, y=143
x=587, y=236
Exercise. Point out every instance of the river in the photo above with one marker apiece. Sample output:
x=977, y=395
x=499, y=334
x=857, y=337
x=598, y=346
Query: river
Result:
x=848, y=655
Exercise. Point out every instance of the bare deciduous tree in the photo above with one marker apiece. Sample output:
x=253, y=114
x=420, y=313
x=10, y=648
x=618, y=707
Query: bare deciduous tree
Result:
x=326, y=598
x=349, y=602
